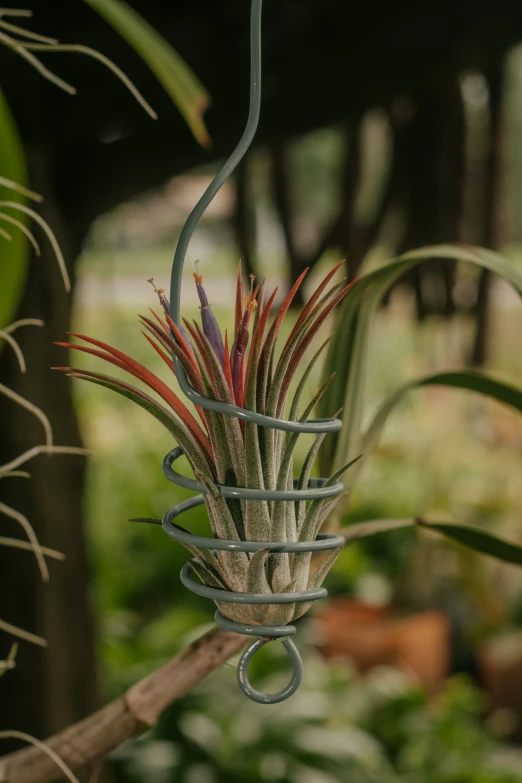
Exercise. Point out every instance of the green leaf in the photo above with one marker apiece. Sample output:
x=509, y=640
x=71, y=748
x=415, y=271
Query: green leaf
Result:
x=310, y=526
x=316, y=581
x=14, y=253
x=348, y=351
x=256, y=513
x=304, y=476
x=231, y=425
x=461, y=379
x=208, y=576
x=220, y=517
x=373, y=527
x=284, y=522
x=216, y=429
x=472, y=537
x=477, y=539
x=256, y=578
x=171, y=70
x=328, y=509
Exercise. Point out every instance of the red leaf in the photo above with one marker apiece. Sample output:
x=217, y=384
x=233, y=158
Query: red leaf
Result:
x=74, y=372
x=227, y=368
x=169, y=343
x=141, y=372
x=307, y=309
x=199, y=343
x=305, y=342
x=93, y=352
x=168, y=361
x=259, y=331
x=283, y=309
x=180, y=339
x=159, y=320
x=239, y=298
x=268, y=347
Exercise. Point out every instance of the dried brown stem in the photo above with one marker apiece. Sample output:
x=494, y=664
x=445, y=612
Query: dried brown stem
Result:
x=138, y=709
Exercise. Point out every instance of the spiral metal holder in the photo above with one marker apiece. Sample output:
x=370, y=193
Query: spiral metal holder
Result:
x=315, y=489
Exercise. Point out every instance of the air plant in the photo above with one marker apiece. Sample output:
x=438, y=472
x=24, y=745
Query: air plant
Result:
x=244, y=369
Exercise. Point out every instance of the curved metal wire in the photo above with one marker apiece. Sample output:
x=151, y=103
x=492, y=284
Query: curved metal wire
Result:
x=284, y=693
x=315, y=489
x=314, y=425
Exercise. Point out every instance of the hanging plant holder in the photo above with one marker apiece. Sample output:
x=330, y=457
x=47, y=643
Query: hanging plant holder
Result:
x=315, y=489
x=265, y=523
x=264, y=633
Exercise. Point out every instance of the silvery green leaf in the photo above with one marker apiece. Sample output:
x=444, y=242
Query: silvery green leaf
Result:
x=256, y=513
x=316, y=581
x=328, y=508
x=304, y=477
x=231, y=425
x=207, y=576
x=311, y=523
x=279, y=517
x=280, y=614
x=235, y=564
x=256, y=578
x=257, y=582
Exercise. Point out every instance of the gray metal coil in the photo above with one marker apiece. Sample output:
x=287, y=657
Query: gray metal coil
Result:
x=315, y=489
x=265, y=633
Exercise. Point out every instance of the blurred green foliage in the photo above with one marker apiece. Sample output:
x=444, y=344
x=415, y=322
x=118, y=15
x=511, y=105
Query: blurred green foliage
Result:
x=14, y=251
x=172, y=72
x=442, y=451
x=337, y=729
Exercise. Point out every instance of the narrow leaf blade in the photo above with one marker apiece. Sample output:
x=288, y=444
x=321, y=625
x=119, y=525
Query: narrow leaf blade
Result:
x=477, y=539
x=170, y=69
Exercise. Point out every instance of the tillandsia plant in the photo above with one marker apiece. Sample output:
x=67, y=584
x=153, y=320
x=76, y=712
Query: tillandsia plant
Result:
x=244, y=369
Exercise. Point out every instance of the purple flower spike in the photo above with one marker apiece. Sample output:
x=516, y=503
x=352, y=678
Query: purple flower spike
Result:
x=240, y=344
x=166, y=307
x=236, y=361
x=161, y=295
x=208, y=321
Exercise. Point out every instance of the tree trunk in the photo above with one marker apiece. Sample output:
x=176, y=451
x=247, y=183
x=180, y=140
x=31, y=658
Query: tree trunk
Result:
x=50, y=688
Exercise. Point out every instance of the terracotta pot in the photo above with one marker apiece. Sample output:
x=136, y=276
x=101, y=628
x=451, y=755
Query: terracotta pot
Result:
x=370, y=637
x=500, y=666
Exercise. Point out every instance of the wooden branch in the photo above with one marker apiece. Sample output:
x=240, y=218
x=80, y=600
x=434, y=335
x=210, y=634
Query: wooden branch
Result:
x=137, y=710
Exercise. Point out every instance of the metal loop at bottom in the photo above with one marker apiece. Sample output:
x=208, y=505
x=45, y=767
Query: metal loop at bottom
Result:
x=284, y=693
